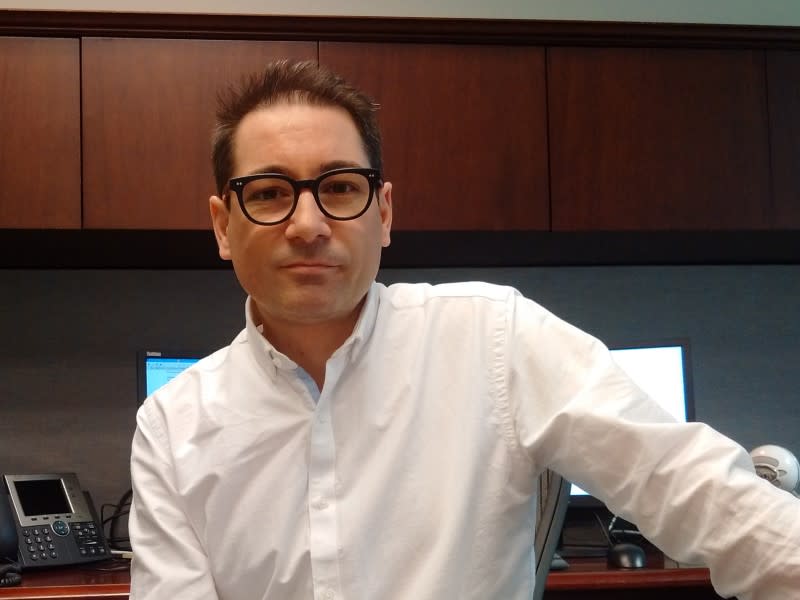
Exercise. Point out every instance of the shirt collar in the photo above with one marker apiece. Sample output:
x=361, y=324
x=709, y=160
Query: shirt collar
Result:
x=270, y=358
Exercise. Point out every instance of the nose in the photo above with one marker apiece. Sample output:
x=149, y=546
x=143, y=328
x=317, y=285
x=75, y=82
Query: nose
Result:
x=307, y=223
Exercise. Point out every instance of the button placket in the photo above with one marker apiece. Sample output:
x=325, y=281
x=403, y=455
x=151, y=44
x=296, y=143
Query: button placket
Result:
x=323, y=534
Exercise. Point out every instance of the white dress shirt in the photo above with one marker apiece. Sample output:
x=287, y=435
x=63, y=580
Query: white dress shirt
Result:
x=412, y=474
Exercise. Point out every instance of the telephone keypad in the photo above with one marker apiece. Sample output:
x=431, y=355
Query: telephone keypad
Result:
x=40, y=547
x=89, y=542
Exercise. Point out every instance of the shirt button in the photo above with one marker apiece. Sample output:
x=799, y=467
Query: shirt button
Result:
x=319, y=505
x=329, y=594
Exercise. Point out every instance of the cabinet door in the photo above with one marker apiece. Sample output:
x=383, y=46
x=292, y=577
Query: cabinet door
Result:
x=464, y=131
x=148, y=111
x=658, y=139
x=40, y=143
x=783, y=78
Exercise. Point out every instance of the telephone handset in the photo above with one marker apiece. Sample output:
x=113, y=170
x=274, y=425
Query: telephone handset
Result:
x=46, y=520
x=9, y=568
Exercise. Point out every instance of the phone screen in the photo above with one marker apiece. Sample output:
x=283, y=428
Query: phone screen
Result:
x=43, y=497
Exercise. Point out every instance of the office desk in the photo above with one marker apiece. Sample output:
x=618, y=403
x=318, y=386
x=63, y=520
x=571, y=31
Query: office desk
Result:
x=590, y=578
x=87, y=583
x=586, y=578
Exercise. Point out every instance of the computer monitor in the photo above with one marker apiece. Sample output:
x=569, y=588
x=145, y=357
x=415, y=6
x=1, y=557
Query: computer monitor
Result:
x=663, y=370
x=156, y=367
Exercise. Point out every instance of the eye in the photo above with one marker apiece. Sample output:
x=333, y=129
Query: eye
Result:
x=343, y=183
x=268, y=191
x=343, y=187
x=267, y=194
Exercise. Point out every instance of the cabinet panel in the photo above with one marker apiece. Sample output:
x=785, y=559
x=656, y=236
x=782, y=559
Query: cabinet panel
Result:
x=148, y=111
x=40, y=145
x=783, y=81
x=464, y=131
x=657, y=139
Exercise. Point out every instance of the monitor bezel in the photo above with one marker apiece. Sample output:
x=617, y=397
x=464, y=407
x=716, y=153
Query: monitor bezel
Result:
x=589, y=501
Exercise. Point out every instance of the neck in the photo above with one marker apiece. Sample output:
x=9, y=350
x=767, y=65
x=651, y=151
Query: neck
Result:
x=310, y=345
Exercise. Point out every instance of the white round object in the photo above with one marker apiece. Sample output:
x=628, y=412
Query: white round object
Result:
x=777, y=465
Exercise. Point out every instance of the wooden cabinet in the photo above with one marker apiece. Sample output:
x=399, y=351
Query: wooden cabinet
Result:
x=464, y=131
x=783, y=83
x=40, y=143
x=658, y=139
x=148, y=112
x=505, y=135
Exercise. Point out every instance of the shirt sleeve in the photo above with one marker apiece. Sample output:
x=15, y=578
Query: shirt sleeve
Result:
x=690, y=490
x=168, y=559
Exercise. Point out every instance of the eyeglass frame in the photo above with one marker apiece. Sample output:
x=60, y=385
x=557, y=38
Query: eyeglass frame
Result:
x=373, y=177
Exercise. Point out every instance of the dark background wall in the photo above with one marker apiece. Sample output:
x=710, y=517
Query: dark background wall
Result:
x=68, y=374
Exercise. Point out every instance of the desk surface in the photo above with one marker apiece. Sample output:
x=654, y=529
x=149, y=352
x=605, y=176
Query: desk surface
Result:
x=583, y=574
x=87, y=582
x=593, y=574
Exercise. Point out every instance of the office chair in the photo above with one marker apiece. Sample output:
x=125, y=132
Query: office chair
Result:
x=553, y=501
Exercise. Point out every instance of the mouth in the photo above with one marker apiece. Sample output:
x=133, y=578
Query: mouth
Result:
x=309, y=267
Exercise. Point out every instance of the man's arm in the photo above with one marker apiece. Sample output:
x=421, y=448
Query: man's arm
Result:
x=692, y=491
x=168, y=559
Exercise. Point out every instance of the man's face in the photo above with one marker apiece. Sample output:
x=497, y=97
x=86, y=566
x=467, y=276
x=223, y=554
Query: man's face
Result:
x=308, y=269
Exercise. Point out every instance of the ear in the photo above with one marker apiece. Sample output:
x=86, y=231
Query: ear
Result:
x=385, y=207
x=219, y=220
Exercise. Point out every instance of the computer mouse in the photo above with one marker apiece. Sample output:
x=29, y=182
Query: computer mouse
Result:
x=626, y=556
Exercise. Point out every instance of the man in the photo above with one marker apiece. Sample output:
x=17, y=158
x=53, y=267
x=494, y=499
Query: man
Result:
x=362, y=442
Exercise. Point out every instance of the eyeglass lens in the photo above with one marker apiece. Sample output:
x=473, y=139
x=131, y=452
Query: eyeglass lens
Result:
x=342, y=195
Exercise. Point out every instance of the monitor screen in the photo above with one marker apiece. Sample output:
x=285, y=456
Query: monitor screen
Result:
x=155, y=368
x=662, y=370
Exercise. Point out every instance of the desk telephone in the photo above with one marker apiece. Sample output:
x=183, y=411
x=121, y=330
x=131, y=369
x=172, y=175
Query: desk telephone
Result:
x=46, y=521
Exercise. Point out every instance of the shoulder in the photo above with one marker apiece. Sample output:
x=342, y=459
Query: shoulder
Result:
x=449, y=307
x=411, y=295
x=461, y=299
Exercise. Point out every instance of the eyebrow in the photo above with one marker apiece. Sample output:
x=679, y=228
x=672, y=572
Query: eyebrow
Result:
x=323, y=168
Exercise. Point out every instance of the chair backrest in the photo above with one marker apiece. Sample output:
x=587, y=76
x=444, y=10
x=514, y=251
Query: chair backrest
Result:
x=553, y=501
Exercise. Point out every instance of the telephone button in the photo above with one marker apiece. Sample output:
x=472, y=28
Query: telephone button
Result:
x=61, y=528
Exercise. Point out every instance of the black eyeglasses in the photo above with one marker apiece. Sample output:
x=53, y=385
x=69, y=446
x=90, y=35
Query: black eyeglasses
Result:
x=341, y=194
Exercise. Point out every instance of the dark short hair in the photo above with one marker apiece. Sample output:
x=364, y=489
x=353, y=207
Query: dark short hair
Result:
x=297, y=82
